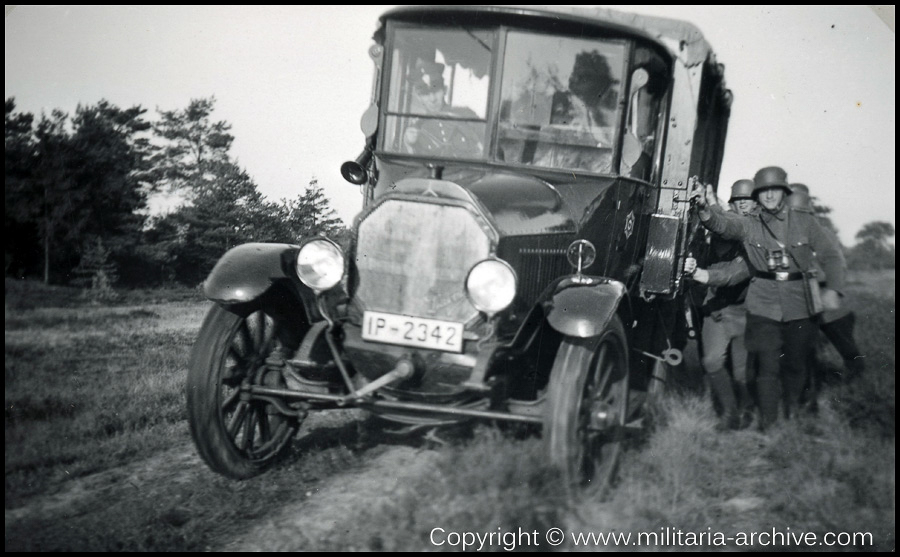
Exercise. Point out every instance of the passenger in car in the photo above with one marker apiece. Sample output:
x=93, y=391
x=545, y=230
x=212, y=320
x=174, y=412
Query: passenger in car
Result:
x=585, y=114
x=590, y=102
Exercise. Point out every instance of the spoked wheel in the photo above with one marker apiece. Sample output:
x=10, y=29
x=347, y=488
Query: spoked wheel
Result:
x=588, y=406
x=237, y=435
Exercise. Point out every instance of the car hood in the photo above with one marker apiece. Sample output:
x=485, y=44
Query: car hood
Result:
x=517, y=204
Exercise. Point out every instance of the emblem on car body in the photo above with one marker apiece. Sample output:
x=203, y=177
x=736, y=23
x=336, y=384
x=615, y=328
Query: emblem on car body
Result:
x=629, y=224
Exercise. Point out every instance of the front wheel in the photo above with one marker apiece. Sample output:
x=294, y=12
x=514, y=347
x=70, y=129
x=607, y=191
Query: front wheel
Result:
x=235, y=434
x=588, y=406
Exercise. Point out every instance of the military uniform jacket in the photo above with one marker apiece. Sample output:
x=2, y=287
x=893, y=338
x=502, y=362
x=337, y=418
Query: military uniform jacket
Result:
x=729, y=281
x=830, y=315
x=729, y=276
x=449, y=137
x=802, y=235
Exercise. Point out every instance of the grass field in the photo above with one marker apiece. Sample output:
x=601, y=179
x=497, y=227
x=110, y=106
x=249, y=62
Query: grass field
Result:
x=98, y=456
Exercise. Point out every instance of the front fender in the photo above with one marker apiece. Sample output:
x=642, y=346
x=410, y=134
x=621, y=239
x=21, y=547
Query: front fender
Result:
x=583, y=306
x=246, y=272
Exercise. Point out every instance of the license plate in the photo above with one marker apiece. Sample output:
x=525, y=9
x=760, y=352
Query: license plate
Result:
x=433, y=334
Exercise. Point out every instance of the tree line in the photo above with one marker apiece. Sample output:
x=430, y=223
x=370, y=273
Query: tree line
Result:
x=79, y=190
x=873, y=249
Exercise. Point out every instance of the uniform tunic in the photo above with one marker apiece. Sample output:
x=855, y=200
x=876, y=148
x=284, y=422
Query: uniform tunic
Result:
x=447, y=137
x=802, y=236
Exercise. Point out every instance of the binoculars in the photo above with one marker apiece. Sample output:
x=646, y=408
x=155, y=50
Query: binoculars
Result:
x=777, y=259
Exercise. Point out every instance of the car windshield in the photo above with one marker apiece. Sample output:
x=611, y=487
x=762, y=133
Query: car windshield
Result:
x=559, y=98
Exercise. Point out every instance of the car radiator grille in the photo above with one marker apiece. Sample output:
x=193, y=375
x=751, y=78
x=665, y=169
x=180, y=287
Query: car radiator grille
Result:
x=537, y=268
x=412, y=258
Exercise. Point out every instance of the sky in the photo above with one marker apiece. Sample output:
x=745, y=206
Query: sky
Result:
x=813, y=86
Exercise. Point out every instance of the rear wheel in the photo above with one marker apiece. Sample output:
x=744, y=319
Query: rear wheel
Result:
x=236, y=435
x=588, y=406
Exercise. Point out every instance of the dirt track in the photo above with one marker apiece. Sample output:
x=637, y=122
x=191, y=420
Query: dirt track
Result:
x=173, y=498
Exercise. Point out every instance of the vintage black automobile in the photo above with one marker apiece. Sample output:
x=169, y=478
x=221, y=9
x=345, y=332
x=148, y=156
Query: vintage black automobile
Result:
x=518, y=254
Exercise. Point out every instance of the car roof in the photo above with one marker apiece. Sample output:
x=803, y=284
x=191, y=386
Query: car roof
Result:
x=682, y=39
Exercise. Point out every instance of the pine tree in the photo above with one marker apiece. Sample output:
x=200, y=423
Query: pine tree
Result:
x=97, y=271
x=195, y=146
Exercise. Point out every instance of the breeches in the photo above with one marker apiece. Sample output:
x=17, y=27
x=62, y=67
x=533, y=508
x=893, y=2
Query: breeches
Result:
x=721, y=331
x=782, y=350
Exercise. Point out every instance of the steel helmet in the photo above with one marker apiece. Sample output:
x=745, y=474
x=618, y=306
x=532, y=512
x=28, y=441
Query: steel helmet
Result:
x=800, y=199
x=799, y=187
x=742, y=189
x=770, y=177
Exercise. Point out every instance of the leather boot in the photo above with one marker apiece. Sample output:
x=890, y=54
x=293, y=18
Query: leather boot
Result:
x=720, y=383
x=744, y=403
x=768, y=389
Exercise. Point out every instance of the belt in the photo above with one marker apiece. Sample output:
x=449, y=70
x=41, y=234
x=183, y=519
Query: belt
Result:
x=779, y=276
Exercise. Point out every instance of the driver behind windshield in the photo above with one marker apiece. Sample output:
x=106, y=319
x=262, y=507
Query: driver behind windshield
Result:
x=439, y=131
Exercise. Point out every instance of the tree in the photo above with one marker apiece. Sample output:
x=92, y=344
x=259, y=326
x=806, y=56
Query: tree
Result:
x=51, y=197
x=194, y=146
x=84, y=179
x=309, y=214
x=822, y=212
x=876, y=232
x=20, y=239
x=96, y=270
x=111, y=155
x=19, y=142
x=227, y=212
x=873, y=250
x=222, y=204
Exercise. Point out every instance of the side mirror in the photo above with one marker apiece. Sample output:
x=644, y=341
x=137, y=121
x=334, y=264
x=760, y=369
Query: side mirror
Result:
x=631, y=149
x=368, y=124
x=631, y=146
x=639, y=79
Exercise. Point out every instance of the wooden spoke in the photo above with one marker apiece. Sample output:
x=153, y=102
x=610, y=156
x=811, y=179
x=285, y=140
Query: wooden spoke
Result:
x=604, y=373
x=246, y=441
x=265, y=432
x=230, y=401
x=237, y=418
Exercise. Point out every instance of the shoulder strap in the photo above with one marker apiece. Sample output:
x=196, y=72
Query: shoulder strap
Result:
x=780, y=244
x=769, y=230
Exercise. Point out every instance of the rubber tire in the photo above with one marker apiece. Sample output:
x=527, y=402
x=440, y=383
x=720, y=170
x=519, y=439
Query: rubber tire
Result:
x=205, y=385
x=581, y=457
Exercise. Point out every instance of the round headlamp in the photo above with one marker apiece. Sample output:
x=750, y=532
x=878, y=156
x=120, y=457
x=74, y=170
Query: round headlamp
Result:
x=491, y=285
x=320, y=264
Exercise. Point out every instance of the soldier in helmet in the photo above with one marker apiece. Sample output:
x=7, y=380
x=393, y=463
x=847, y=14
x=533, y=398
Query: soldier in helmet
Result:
x=780, y=243
x=725, y=317
x=836, y=324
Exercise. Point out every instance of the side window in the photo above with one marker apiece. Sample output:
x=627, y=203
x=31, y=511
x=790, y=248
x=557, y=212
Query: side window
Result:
x=644, y=122
x=560, y=101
